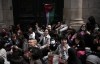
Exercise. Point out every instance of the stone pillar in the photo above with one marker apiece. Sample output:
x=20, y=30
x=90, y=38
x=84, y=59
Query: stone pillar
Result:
x=1, y=14
x=76, y=14
x=7, y=12
x=66, y=11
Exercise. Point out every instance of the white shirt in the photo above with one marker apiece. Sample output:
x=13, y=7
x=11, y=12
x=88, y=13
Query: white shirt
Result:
x=46, y=40
x=60, y=51
x=63, y=27
x=32, y=35
x=3, y=54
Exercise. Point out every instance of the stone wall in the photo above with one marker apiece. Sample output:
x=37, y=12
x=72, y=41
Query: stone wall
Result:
x=7, y=12
x=91, y=8
x=1, y=14
x=67, y=11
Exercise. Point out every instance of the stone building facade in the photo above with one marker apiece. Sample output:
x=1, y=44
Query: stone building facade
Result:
x=6, y=13
x=75, y=12
x=84, y=8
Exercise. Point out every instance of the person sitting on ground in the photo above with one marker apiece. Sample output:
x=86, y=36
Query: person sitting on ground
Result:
x=94, y=57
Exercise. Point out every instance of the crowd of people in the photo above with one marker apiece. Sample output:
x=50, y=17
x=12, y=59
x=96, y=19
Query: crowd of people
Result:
x=53, y=44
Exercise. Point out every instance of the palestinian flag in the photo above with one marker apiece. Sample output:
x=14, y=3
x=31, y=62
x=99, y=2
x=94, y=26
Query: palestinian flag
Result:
x=50, y=10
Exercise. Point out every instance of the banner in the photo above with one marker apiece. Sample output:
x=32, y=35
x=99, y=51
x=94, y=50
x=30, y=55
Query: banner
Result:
x=49, y=9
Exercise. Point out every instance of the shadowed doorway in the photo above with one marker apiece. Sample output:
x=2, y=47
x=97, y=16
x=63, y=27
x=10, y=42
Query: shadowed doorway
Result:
x=28, y=12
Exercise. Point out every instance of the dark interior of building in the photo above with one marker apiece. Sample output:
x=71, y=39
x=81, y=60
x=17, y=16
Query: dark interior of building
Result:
x=31, y=11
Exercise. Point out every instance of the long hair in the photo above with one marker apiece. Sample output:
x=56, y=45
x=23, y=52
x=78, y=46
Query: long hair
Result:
x=92, y=20
x=36, y=53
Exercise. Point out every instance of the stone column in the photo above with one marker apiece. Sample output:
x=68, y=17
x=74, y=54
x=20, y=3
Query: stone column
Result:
x=66, y=11
x=1, y=13
x=76, y=14
x=7, y=12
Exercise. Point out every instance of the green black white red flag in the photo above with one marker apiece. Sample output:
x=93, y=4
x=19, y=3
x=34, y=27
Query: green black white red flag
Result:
x=49, y=9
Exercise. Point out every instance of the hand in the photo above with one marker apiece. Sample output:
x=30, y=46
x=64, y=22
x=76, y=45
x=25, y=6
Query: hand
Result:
x=48, y=46
x=14, y=46
x=36, y=26
x=88, y=32
x=27, y=54
x=64, y=48
x=61, y=61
